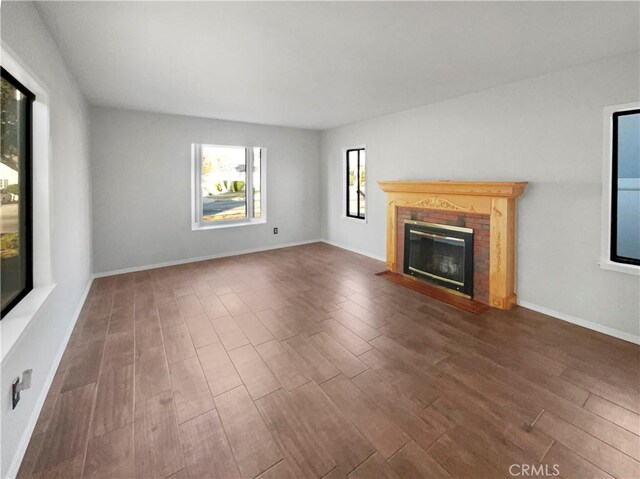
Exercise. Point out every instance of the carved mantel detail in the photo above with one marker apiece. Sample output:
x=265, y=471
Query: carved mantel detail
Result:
x=496, y=199
x=435, y=203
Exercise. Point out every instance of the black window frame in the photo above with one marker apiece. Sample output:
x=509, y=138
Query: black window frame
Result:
x=613, y=253
x=26, y=203
x=358, y=216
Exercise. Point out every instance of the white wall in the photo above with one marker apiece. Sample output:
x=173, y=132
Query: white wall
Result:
x=27, y=39
x=141, y=167
x=546, y=130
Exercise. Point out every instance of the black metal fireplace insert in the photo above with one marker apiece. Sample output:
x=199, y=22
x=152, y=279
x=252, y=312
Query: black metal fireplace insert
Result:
x=440, y=254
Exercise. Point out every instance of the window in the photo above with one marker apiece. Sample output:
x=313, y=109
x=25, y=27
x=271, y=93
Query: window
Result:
x=356, y=183
x=625, y=187
x=229, y=185
x=16, y=255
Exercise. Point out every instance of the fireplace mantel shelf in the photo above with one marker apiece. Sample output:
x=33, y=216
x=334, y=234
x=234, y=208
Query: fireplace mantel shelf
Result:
x=494, y=198
x=501, y=189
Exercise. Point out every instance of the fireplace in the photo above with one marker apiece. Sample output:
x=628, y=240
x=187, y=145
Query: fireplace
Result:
x=440, y=254
x=487, y=207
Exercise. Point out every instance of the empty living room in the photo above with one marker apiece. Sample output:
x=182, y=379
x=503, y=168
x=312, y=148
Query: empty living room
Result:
x=320, y=239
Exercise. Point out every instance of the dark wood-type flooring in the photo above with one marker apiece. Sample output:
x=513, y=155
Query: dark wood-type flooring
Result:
x=300, y=362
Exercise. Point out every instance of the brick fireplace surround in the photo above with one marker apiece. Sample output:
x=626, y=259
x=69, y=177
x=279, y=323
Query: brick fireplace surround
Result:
x=480, y=226
x=489, y=208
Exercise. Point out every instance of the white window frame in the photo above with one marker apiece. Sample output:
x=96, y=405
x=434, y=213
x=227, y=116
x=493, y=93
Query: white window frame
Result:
x=607, y=153
x=16, y=322
x=344, y=216
x=197, y=223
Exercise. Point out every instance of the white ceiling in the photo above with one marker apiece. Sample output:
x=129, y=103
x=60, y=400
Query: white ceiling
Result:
x=319, y=65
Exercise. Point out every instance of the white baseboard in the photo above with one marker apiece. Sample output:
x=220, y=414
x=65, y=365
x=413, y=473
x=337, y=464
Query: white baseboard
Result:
x=35, y=414
x=581, y=322
x=201, y=258
x=354, y=250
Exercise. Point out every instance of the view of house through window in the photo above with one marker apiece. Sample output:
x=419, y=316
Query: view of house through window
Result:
x=625, y=200
x=356, y=183
x=230, y=183
x=15, y=182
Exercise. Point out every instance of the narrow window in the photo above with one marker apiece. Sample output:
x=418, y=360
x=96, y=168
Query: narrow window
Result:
x=356, y=183
x=16, y=252
x=625, y=188
x=229, y=185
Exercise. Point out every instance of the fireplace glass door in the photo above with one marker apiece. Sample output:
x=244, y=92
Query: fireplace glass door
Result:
x=440, y=254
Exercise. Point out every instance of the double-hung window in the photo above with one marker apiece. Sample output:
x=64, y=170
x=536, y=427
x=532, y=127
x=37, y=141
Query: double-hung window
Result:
x=16, y=250
x=229, y=185
x=356, y=182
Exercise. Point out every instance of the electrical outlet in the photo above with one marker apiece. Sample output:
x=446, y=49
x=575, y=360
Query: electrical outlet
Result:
x=275, y=231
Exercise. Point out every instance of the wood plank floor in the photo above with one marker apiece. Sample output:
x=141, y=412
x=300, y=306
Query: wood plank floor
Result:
x=300, y=362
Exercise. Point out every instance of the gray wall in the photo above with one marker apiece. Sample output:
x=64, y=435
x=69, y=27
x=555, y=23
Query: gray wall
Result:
x=24, y=34
x=141, y=180
x=546, y=130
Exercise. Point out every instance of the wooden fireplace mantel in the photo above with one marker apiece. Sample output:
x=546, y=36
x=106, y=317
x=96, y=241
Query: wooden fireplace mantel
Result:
x=493, y=198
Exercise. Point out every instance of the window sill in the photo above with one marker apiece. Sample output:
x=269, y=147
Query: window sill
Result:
x=198, y=226
x=360, y=221
x=619, y=267
x=14, y=324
